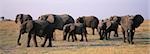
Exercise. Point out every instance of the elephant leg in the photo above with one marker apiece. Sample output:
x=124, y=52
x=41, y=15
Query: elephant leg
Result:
x=19, y=39
x=64, y=35
x=100, y=34
x=50, y=41
x=116, y=34
x=28, y=41
x=132, y=37
x=85, y=37
x=129, y=37
x=75, y=37
x=109, y=34
x=106, y=35
x=86, y=31
x=93, y=31
x=124, y=38
x=81, y=37
x=69, y=37
x=53, y=36
x=34, y=39
x=46, y=37
x=72, y=37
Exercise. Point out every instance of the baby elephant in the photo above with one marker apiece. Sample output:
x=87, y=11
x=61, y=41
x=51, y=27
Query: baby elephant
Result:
x=73, y=29
x=37, y=28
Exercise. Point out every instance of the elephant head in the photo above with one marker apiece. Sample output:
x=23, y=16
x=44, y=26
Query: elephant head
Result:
x=58, y=20
x=22, y=17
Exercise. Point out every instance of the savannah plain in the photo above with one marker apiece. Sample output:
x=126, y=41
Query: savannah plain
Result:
x=9, y=33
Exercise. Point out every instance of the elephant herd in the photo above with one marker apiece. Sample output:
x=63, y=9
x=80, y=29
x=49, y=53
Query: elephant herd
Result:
x=48, y=23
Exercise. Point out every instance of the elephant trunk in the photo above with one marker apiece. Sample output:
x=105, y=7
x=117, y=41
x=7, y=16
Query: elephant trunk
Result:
x=19, y=39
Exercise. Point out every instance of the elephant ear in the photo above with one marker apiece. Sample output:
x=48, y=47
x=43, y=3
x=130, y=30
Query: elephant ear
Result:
x=28, y=17
x=50, y=18
x=29, y=25
x=137, y=20
x=26, y=26
x=19, y=17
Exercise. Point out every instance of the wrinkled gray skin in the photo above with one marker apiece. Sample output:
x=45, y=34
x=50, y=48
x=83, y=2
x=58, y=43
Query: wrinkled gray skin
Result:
x=128, y=24
x=73, y=29
x=58, y=20
x=34, y=28
x=89, y=21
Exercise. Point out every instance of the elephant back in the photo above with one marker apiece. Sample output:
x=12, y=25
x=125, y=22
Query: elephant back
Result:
x=61, y=20
x=48, y=17
x=90, y=21
x=137, y=20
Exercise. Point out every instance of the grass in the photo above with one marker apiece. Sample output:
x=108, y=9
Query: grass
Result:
x=9, y=35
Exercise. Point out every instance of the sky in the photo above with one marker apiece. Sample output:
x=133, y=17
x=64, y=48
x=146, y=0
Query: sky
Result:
x=99, y=8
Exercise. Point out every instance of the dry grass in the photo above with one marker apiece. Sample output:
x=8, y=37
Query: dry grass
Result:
x=9, y=35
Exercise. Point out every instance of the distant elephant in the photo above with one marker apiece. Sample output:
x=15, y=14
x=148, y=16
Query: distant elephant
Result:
x=128, y=24
x=73, y=29
x=58, y=20
x=33, y=28
x=89, y=21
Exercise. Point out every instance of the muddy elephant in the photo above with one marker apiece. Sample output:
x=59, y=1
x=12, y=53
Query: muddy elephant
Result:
x=74, y=28
x=89, y=21
x=128, y=24
x=35, y=28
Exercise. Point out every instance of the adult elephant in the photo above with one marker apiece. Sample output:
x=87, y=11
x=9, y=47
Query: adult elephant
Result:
x=34, y=28
x=58, y=20
x=128, y=24
x=89, y=21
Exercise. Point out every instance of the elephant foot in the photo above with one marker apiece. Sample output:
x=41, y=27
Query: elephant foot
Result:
x=73, y=41
x=81, y=40
x=64, y=39
x=132, y=42
x=86, y=40
x=19, y=44
x=49, y=46
x=53, y=39
x=124, y=41
x=101, y=38
x=28, y=45
x=42, y=45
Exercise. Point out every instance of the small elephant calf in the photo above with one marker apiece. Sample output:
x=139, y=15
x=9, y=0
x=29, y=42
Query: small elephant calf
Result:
x=73, y=29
